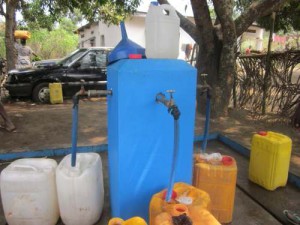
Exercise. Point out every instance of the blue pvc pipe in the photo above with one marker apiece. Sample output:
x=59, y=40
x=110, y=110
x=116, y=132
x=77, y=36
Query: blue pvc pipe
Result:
x=74, y=134
x=207, y=119
x=174, y=163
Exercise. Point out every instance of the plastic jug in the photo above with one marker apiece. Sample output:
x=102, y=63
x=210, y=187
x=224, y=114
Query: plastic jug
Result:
x=28, y=192
x=188, y=204
x=270, y=159
x=80, y=189
x=132, y=221
x=218, y=179
x=162, y=32
x=56, y=95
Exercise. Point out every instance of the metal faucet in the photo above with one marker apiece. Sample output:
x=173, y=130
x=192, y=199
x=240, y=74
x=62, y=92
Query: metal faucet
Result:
x=170, y=104
x=160, y=97
x=205, y=87
x=90, y=93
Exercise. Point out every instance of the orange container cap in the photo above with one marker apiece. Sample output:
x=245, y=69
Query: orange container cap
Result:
x=174, y=195
x=227, y=160
x=262, y=133
x=179, y=209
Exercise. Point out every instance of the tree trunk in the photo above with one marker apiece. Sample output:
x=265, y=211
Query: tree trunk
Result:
x=10, y=18
x=217, y=58
x=220, y=67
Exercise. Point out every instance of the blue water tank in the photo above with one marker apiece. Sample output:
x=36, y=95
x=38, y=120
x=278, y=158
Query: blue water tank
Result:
x=141, y=131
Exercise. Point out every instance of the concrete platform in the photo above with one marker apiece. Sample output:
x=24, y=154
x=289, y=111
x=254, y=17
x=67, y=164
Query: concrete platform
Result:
x=253, y=204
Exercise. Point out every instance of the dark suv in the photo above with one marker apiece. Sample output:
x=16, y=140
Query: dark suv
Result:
x=88, y=64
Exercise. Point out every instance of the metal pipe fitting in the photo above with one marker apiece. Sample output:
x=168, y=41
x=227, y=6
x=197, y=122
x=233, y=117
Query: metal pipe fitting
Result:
x=160, y=97
x=98, y=93
x=90, y=93
x=170, y=104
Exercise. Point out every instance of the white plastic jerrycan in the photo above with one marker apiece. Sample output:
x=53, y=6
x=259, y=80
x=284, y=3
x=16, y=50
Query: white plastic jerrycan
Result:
x=80, y=189
x=162, y=32
x=28, y=192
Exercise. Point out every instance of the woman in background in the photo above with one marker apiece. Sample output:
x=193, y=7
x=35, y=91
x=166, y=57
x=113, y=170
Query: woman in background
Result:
x=24, y=55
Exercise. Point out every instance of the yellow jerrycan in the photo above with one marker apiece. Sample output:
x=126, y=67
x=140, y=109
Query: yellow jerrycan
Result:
x=218, y=179
x=270, y=159
x=188, y=205
x=131, y=221
x=22, y=34
x=56, y=95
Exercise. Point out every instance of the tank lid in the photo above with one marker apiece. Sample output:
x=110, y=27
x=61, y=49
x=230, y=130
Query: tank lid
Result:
x=125, y=48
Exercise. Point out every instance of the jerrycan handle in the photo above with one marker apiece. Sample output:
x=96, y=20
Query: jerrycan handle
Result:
x=115, y=221
x=25, y=167
x=169, y=8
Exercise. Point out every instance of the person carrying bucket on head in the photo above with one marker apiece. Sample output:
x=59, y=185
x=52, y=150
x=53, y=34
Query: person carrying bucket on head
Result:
x=24, y=54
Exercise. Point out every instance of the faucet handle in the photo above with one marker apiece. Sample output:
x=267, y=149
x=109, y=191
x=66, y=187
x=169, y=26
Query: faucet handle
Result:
x=171, y=93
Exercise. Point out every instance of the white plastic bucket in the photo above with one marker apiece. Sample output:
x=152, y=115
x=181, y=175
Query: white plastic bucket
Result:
x=28, y=192
x=162, y=32
x=80, y=189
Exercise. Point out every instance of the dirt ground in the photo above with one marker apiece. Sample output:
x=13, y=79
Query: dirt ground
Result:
x=49, y=126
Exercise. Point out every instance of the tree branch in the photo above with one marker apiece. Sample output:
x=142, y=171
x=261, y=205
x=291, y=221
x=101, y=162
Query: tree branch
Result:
x=187, y=25
x=224, y=11
x=203, y=20
x=257, y=9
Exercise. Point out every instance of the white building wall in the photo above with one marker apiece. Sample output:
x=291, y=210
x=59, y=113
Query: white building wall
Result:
x=110, y=35
x=136, y=29
x=88, y=37
x=255, y=35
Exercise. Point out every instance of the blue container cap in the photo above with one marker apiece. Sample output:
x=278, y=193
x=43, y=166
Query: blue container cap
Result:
x=154, y=3
x=125, y=48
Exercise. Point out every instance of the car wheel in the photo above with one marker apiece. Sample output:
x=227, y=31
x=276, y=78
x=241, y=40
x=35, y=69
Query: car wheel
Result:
x=41, y=93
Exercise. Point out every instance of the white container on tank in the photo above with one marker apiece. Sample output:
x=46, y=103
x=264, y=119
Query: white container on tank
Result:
x=80, y=189
x=162, y=32
x=28, y=192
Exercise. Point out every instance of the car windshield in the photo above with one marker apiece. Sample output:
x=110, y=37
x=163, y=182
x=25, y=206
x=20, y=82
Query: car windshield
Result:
x=70, y=58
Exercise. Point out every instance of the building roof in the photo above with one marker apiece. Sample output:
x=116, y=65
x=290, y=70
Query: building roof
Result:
x=86, y=26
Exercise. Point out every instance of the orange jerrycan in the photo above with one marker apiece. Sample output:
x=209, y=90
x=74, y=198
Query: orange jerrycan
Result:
x=131, y=221
x=218, y=179
x=270, y=159
x=188, y=205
